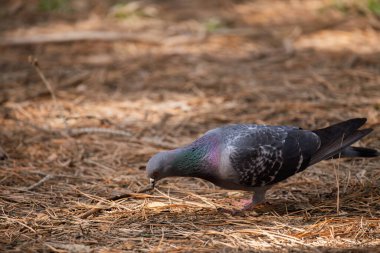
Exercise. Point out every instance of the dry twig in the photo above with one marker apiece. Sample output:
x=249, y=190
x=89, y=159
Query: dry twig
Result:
x=95, y=210
x=44, y=179
x=74, y=36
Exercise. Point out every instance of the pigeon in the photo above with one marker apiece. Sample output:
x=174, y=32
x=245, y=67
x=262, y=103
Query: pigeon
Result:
x=253, y=158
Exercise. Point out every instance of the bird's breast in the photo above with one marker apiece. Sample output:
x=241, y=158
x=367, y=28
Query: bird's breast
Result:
x=225, y=170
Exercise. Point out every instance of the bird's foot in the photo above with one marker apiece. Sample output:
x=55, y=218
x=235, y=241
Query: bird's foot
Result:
x=247, y=204
x=242, y=202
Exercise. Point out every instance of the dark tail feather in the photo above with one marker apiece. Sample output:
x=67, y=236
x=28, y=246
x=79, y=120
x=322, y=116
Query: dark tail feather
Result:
x=357, y=152
x=336, y=138
x=344, y=128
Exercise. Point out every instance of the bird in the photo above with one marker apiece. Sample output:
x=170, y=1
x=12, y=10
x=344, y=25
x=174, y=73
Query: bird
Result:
x=251, y=157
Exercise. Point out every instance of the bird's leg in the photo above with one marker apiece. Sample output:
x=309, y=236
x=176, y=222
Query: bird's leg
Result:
x=257, y=198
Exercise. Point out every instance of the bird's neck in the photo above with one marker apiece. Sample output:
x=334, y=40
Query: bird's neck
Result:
x=199, y=159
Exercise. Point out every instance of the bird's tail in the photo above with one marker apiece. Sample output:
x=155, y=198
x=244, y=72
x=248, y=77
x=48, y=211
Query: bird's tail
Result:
x=357, y=152
x=336, y=141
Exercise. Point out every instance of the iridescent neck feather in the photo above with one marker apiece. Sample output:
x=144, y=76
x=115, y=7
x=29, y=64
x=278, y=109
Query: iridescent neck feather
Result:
x=199, y=159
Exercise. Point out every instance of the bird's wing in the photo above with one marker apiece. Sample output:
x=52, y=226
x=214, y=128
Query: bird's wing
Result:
x=264, y=155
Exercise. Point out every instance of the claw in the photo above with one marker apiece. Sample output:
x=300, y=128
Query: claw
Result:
x=242, y=202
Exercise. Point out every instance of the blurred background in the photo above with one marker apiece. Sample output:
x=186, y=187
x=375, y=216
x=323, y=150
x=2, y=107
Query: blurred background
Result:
x=117, y=81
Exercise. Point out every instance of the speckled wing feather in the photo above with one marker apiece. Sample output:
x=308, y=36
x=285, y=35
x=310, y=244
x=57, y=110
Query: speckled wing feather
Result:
x=264, y=155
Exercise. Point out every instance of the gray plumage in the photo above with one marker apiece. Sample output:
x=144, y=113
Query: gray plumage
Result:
x=254, y=157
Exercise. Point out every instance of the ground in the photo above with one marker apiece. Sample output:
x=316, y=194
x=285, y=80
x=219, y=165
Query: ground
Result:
x=90, y=90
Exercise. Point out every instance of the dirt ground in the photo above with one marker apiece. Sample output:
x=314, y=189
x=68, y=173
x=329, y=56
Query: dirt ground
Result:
x=114, y=82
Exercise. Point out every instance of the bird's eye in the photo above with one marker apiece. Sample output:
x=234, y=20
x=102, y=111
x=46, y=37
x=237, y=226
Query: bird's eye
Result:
x=155, y=174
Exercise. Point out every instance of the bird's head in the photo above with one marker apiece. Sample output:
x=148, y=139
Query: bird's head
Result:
x=180, y=162
x=159, y=166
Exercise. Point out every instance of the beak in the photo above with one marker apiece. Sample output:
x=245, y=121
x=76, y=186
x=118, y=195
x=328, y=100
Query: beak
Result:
x=152, y=182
